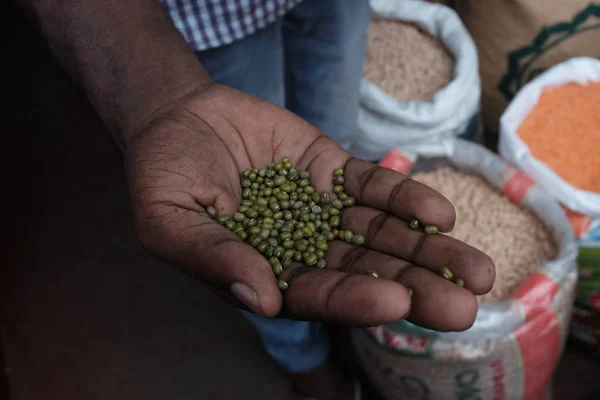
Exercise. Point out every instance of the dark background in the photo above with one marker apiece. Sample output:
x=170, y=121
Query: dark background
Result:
x=87, y=314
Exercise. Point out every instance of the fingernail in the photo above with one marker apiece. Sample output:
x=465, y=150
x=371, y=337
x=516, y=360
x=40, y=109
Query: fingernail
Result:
x=410, y=294
x=247, y=296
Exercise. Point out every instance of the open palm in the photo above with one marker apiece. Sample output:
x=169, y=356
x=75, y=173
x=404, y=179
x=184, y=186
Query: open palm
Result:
x=191, y=158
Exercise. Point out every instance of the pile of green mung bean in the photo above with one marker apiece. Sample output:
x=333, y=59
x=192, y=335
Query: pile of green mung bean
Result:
x=286, y=219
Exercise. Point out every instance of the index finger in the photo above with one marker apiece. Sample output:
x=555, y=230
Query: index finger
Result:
x=395, y=193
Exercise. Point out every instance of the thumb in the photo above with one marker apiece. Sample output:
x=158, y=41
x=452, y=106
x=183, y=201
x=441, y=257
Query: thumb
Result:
x=215, y=256
x=230, y=263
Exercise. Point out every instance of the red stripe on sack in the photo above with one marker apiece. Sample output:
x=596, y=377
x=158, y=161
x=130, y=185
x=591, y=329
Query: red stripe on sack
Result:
x=539, y=341
x=397, y=161
x=579, y=222
x=536, y=293
x=517, y=186
x=389, y=338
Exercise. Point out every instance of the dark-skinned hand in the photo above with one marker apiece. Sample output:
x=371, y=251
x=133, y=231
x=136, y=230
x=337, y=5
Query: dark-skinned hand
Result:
x=190, y=156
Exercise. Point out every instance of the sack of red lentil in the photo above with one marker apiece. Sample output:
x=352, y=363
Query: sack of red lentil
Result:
x=551, y=131
x=421, y=78
x=519, y=39
x=516, y=341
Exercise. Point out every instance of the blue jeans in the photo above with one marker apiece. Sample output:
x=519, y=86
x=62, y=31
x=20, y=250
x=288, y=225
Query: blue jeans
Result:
x=311, y=63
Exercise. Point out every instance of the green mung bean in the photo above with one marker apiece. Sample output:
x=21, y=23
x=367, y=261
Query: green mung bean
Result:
x=311, y=259
x=239, y=217
x=349, y=202
x=282, y=285
x=337, y=203
x=358, y=240
x=348, y=235
x=321, y=245
x=211, y=211
x=338, y=180
x=431, y=230
x=447, y=273
x=288, y=254
x=334, y=221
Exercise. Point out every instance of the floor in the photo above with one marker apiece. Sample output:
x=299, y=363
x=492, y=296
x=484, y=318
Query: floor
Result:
x=87, y=313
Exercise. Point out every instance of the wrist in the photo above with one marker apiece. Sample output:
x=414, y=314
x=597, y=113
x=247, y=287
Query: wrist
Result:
x=140, y=108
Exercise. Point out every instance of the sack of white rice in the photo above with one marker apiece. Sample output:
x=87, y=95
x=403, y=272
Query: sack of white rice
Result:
x=421, y=78
x=514, y=345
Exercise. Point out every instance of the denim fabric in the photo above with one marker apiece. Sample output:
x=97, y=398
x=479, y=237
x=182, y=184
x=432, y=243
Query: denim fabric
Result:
x=324, y=43
x=311, y=62
x=296, y=346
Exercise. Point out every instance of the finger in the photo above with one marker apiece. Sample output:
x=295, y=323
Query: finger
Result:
x=436, y=302
x=397, y=194
x=388, y=234
x=348, y=299
x=212, y=253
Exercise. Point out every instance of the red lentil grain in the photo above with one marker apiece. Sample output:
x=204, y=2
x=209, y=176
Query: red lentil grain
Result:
x=563, y=131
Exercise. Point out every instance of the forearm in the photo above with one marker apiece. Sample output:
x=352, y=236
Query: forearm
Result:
x=126, y=55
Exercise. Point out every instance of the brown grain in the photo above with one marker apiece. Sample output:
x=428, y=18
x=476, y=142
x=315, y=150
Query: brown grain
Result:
x=512, y=236
x=406, y=62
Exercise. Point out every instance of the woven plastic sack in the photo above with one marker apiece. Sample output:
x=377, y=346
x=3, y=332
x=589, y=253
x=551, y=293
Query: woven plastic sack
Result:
x=577, y=70
x=385, y=123
x=513, y=347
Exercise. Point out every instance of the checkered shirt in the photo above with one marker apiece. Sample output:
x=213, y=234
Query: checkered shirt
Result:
x=207, y=24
